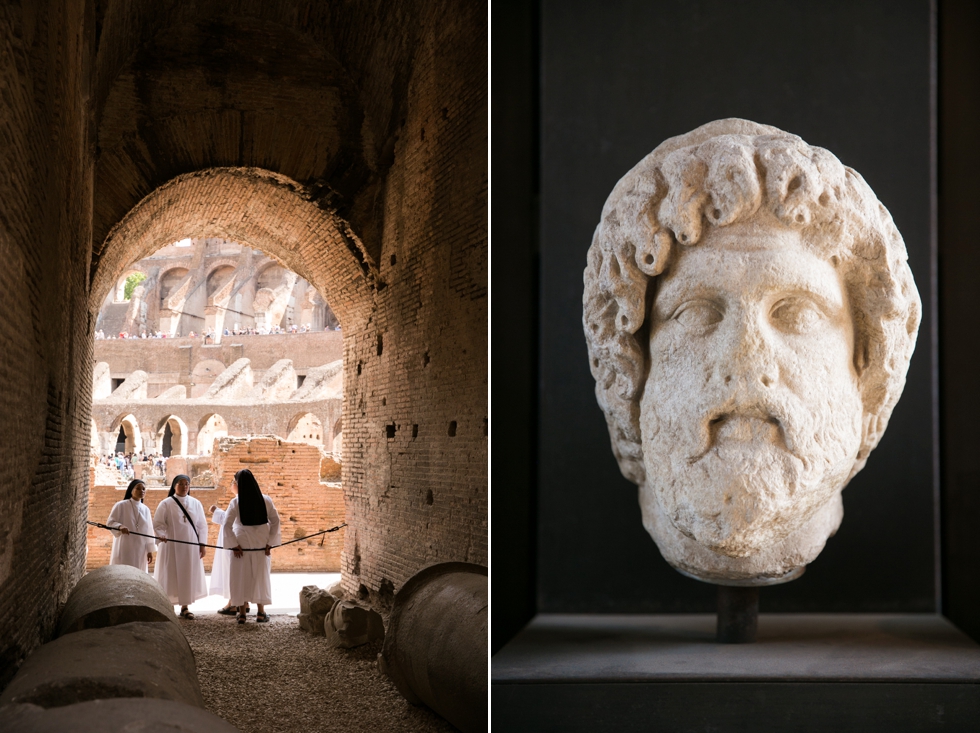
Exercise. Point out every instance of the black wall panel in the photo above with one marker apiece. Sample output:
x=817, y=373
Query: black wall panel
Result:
x=959, y=257
x=619, y=77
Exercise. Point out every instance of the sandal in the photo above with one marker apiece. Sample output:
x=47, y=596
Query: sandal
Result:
x=262, y=618
x=228, y=611
x=185, y=614
x=241, y=618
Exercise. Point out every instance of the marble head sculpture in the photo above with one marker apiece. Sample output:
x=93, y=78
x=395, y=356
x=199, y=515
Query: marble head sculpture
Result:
x=750, y=316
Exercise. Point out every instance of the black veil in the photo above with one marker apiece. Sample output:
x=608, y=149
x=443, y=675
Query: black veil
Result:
x=251, y=505
x=173, y=484
x=132, y=485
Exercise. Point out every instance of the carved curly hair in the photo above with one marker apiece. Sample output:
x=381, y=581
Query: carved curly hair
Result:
x=714, y=176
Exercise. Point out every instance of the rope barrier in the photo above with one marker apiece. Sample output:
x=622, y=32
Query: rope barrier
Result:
x=199, y=544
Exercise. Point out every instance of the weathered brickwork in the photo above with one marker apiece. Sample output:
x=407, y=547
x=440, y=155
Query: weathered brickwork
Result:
x=420, y=496
x=346, y=138
x=45, y=359
x=288, y=472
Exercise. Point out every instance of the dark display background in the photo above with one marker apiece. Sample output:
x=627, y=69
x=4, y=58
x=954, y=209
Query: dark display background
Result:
x=588, y=89
x=617, y=79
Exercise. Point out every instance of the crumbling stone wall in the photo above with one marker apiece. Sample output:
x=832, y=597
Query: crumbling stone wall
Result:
x=288, y=472
x=169, y=362
x=291, y=474
x=45, y=332
x=224, y=283
x=241, y=417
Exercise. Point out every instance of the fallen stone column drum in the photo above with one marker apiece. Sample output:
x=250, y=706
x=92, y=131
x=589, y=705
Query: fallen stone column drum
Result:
x=119, y=715
x=140, y=659
x=435, y=649
x=113, y=595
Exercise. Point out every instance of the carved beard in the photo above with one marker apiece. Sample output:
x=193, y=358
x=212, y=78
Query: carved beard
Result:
x=743, y=475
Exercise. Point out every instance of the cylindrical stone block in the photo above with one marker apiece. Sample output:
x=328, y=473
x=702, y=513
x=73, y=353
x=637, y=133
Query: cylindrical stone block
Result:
x=435, y=649
x=112, y=595
x=119, y=715
x=141, y=659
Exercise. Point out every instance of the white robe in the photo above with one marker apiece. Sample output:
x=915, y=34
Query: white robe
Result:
x=128, y=549
x=179, y=568
x=250, y=576
x=219, y=568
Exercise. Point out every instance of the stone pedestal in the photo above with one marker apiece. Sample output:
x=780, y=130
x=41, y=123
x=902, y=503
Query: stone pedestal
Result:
x=807, y=672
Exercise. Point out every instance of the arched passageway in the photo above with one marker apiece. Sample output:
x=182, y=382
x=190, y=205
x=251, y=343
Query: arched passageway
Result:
x=173, y=437
x=349, y=141
x=128, y=438
x=211, y=429
x=259, y=208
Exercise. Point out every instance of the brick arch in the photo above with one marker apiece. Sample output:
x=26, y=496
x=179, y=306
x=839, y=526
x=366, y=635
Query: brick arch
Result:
x=218, y=262
x=166, y=271
x=211, y=271
x=261, y=209
x=131, y=425
x=294, y=422
x=203, y=447
x=121, y=281
x=260, y=271
x=181, y=434
x=117, y=421
x=313, y=94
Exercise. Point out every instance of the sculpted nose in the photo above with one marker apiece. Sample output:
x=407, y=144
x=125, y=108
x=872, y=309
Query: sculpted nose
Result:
x=750, y=359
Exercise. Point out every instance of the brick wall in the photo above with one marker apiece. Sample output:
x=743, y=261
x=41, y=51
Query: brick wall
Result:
x=415, y=419
x=288, y=472
x=45, y=336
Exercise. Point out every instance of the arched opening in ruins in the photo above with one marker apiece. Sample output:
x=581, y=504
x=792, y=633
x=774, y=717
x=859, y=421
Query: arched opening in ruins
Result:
x=127, y=436
x=211, y=428
x=173, y=437
x=306, y=428
x=119, y=294
x=173, y=292
x=231, y=384
x=338, y=441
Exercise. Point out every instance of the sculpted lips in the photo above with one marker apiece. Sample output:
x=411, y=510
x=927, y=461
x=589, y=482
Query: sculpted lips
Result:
x=742, y=425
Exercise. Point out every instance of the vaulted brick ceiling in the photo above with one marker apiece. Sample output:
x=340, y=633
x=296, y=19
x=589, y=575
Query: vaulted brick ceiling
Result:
x=182, y=87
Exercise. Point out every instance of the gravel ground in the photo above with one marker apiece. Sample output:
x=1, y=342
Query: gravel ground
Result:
x=274, y=678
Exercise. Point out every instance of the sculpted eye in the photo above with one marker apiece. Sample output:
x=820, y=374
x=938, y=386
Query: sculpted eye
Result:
x=796, y=315
x=698, y=316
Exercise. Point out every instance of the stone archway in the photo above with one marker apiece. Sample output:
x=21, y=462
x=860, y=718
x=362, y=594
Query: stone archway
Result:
x=306, y=428
x=128, y=429
x=337, y=442
x=212, y=427
x=256, y=207
x=172, y=437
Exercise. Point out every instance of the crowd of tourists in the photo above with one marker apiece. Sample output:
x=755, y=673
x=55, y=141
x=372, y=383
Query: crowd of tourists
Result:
x=208, y=335
x=123, y=462
x=242, y=568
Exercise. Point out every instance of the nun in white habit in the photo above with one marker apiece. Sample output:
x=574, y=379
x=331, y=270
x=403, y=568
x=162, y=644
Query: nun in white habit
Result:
x=180, y=565
x=219, y=568
x=251, y=523
x=127, y=516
